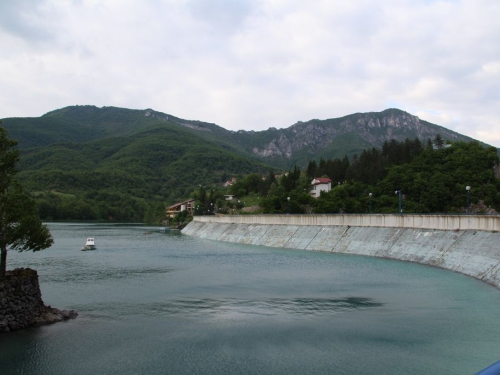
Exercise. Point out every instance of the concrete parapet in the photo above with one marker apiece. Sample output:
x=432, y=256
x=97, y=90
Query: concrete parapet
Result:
x=441, y=222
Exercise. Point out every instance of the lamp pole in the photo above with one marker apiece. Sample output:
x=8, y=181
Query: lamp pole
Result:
x=467, y=188
x=399, y=194
x=370, y=195
x=288, y=199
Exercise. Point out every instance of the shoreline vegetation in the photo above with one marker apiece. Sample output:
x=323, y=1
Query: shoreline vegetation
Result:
x=431, y=177
x=458, y=178
x=21, y=229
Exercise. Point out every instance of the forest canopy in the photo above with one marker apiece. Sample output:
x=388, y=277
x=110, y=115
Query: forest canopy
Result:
x=432, y=178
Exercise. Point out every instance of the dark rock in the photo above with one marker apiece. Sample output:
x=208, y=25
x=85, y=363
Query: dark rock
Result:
x=21, y=303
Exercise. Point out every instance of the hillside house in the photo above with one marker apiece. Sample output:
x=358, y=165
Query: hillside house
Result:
x=179, y=207
x=320, y=184
x=230, y=182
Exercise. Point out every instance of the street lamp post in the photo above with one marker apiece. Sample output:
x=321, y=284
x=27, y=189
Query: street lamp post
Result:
x=467, y=188
x=370, y=195
x=288, y=199
x=399, y=193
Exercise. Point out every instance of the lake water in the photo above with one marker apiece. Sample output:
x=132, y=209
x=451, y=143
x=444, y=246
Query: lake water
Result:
x=155, y=303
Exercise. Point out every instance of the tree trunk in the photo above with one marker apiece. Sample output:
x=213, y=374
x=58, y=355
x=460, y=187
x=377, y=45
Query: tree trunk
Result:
x=3, y=262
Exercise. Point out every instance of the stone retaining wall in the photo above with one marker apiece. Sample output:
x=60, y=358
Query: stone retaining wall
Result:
x=21, y=303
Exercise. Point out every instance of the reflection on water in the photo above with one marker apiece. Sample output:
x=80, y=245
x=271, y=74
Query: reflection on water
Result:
x=231, y=308
x=96, y=275
x=275, y=306
x=152, y=302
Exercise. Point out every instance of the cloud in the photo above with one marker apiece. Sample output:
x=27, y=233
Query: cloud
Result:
x=256, y=64
x=223, y=16
x=22, y=19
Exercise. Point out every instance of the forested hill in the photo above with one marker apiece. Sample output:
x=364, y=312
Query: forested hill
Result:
x=282, y=148
x=117, y=163
x=87, y=123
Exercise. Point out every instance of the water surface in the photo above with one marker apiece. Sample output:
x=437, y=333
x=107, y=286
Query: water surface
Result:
x=155, y=303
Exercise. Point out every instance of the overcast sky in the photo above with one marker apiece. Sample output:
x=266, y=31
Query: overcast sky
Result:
x=256, y=64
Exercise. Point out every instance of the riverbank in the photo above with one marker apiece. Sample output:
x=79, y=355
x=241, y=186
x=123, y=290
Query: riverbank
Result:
x=465, y=244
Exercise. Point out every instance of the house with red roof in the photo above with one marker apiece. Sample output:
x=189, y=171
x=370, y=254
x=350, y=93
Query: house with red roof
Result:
x=320, y=184
x=230, y=182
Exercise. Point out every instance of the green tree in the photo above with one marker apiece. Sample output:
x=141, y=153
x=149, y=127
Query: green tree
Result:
x=20, y=226
x=438, y=141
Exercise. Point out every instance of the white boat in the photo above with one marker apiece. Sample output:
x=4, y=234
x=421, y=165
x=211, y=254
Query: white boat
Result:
x=89, y=245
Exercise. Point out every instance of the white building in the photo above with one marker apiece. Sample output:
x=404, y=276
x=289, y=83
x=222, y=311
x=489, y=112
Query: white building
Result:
x=320, y=184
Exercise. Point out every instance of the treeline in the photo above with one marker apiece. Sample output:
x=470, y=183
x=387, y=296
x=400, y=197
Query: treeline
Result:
x=431, y=177
x=97, y=206
x=252, y=183
x=126, y=179
x=371, y=165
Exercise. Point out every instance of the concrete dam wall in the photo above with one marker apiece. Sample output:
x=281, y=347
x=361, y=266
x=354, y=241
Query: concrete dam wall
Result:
x=465, y=244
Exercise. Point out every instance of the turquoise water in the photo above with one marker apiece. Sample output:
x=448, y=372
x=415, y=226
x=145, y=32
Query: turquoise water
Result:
x=154, y=303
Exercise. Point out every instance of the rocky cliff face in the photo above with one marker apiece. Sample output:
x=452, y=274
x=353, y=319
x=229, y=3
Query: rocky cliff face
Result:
x=281, y=148
x=164, y=117
x=308, y=140
x=374, y=128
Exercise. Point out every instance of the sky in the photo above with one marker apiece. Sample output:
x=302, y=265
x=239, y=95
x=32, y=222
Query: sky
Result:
x=256, y=64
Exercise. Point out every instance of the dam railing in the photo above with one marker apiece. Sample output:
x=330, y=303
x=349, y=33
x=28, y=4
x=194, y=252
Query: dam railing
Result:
x=416, y=221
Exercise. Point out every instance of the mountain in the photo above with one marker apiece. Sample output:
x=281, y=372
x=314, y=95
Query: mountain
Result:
x=92, y=156
x=334, y=138
x=296, y=144
x=118, y=163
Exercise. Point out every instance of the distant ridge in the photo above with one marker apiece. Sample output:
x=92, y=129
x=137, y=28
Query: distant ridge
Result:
x=283, y=148
x=135, y=158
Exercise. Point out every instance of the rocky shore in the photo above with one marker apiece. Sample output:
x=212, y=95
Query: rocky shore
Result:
x=21, y=303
